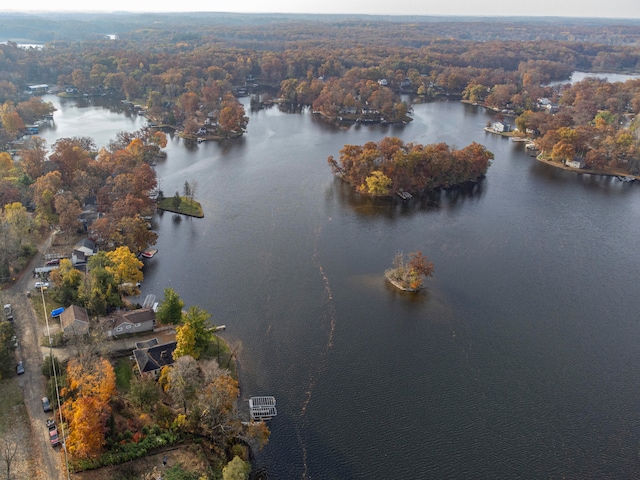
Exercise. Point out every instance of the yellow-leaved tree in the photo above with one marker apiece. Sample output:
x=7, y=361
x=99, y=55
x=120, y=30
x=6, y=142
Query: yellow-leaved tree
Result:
x=126, y=267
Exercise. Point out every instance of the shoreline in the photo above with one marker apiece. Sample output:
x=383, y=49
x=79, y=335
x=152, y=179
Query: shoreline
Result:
x=602, y=173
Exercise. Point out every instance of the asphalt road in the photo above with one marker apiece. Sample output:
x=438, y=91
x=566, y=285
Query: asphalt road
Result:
x=50, y=461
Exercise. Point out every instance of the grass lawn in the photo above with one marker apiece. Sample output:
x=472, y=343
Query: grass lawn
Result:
x=36, y=301
x=186, y=206
x=124, y=372
x=12, y=396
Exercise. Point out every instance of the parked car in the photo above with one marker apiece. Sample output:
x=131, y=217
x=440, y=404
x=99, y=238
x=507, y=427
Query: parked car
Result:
x=53, y=262
x=56, y=312
x=42, y=285
x=8, y=312
x=46, y=404
x=20, y=368
x=53, y=432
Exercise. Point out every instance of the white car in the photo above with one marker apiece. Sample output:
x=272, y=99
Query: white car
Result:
x=43, y=285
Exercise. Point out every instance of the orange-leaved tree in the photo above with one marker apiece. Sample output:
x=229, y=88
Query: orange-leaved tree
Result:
x=87, y=417
x=90, y=376
x=91, y=383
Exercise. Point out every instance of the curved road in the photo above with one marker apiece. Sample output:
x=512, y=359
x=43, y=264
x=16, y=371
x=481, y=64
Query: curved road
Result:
x=49, y=461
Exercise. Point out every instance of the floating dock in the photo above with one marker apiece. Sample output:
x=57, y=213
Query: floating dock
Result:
x=262, y=408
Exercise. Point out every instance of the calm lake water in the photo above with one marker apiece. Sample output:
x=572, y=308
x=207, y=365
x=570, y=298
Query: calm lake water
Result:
x=611, y=77
x=520, y=359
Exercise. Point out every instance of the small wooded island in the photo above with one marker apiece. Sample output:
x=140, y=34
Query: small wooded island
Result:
x=392, y=167
x=409, y=275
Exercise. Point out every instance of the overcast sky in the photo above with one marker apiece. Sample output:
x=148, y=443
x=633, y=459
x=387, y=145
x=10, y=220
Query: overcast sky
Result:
x=566, y=8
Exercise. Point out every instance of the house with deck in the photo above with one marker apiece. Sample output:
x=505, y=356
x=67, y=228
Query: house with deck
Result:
x=136, y=321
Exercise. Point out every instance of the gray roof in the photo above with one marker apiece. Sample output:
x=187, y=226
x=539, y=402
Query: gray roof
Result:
x=147, y=343
x=154, y=358
x=139, y=316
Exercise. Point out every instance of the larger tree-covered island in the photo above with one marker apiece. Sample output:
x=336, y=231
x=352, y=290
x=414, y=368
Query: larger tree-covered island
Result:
x=391, y=166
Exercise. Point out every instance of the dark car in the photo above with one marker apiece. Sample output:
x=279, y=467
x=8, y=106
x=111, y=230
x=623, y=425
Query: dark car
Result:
x=46, y=404
x=51, y=263
x=20, y=368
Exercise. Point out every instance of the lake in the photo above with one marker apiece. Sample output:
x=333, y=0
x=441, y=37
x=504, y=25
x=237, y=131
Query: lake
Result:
x=519, y=360
x=610, y=77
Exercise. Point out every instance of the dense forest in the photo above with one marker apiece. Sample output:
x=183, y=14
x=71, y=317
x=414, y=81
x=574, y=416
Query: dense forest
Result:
x=186, y=70
x=348, y=68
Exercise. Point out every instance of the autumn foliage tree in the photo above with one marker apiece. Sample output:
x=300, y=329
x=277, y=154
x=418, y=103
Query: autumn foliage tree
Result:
x=194, y=335
x=91, y=384
x=87, y=418
x=124, y=266
x=170, y=308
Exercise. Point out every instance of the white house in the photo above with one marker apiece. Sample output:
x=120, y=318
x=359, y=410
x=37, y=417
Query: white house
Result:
x=575, y=163
x=86, y=246
x=500, y=127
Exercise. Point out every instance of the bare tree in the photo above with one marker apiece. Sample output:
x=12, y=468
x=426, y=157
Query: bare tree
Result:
x=186, y=189
x=184, y=381
x=8, y=454
x=194, y=188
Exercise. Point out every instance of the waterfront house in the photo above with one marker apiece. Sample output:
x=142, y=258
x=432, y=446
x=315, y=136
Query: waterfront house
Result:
x=151, y=356
x=38, y=89
x=136, y=321
x=500, y=127
x=577, y=162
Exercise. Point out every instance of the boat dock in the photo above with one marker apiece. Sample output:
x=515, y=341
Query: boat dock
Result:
x=262, y=408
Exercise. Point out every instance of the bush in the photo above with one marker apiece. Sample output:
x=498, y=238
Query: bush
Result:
x=126, y=452
x=49, y=363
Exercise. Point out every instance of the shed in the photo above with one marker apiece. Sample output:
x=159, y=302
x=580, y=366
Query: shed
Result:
x=74, y=321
